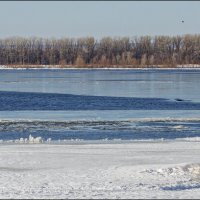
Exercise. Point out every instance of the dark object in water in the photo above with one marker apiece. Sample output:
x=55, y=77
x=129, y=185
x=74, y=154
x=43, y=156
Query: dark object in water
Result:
x=179, y=99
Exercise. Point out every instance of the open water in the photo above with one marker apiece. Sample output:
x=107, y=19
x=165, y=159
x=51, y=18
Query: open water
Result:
x=99, y=104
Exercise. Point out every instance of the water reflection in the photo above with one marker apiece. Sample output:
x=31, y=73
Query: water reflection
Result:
x=169, y=84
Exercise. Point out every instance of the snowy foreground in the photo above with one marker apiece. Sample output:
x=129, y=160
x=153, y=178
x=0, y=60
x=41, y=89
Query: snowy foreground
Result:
x=82, y=170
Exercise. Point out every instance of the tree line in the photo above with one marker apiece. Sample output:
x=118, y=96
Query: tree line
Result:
x=135, y=51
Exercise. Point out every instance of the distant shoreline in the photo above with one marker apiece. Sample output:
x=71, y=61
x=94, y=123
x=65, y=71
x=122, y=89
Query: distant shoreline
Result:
x=109, y=67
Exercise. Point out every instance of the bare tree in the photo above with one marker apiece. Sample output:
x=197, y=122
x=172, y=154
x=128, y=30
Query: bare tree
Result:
x=144, y=50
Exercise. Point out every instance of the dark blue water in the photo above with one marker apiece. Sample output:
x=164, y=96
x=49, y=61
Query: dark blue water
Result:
x=53, y=101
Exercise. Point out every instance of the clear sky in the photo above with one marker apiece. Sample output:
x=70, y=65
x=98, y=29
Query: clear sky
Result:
x=98, y=18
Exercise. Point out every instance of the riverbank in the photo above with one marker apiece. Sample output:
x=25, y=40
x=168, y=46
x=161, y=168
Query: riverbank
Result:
x=185, y=66
x=99, y=171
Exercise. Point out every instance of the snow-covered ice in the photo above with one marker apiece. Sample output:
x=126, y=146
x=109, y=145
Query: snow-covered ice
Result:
x=156, y=169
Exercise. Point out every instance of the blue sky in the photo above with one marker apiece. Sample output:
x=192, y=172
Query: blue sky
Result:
x=98, y=19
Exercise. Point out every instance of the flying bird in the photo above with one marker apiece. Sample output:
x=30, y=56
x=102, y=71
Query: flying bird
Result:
x=182, y=21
